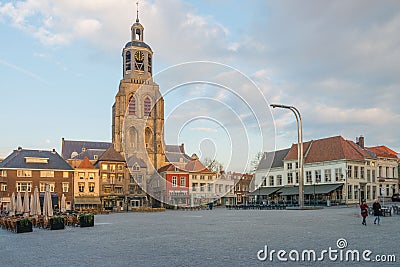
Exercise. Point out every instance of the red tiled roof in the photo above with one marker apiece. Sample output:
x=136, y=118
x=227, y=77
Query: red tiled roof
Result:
x=86, y=164
x=383, y=151
x=196, y=166
x=327, y=149
x=170, y=167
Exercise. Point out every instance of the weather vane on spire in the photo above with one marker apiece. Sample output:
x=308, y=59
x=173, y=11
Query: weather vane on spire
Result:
x=137, y=11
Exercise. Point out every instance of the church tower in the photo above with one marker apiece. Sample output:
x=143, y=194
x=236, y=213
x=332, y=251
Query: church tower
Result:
x=138, y=111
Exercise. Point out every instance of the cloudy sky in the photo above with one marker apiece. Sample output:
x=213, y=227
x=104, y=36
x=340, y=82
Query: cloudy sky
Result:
x=338, y=62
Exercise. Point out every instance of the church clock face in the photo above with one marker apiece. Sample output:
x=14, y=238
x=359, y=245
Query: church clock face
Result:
x=139, y=56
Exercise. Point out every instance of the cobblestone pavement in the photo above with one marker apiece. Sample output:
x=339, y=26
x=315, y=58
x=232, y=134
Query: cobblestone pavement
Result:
x=218, y=237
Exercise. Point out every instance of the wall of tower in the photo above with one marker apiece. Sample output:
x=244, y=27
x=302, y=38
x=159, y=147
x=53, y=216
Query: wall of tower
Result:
x=138, y=134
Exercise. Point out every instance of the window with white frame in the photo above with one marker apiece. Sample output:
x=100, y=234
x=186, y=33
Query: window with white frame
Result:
x=271, y=181
x=24, y=186
x=317, y=176
x=202, y=185
x=65, y=174
x=289, y=166
x=174, y=181
x=65, y=187
x=112, y=167
x=194, y=187
x=279, y=179
x=24, y=173
x=91, y=187
x=309, y=176
x=328, y=175
x=349, y=192
x=290, y=178
x=3, y=173
x=362, y=172
x=3, y=187
x=368, y=175
x=356, y=172
x=297, y=177
x=338, y=174
x=47, y=173
x=373, y=176
x=183, y=181
x=91, y=175
x=264, y=181
x=209, y=187
x=104, y=167
x=81, y=187
x=42, y=186
x=349, y=171
x=81, y=175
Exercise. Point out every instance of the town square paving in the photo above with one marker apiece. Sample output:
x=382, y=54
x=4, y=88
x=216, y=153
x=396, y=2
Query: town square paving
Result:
x=218, y=237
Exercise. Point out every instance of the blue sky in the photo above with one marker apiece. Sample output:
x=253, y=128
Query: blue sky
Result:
x=337, y=61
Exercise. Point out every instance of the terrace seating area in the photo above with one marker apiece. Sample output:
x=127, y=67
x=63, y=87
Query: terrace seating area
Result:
x=11, y=223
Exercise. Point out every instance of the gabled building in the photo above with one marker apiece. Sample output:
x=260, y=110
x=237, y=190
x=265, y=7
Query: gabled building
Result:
x=113, y=172
x=86, y=186
x=224, y=189
x=387, y=170
x=242, y=188
x=136, y=184
x=177, y=185
x=335, y=171
x=201, y=180
x=25, y=169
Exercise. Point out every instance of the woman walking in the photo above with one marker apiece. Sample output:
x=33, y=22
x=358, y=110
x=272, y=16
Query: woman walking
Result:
x=377, y=211
x=364, y=212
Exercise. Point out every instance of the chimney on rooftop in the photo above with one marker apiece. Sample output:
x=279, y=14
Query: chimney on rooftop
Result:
x=54, y=151
x=19, y=148
x=360, y=141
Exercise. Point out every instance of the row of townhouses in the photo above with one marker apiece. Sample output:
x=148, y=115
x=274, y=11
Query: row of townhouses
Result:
x=336, y=171
x=92, y=175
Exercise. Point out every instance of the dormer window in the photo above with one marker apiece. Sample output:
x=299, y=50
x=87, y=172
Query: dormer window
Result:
x=136, y=167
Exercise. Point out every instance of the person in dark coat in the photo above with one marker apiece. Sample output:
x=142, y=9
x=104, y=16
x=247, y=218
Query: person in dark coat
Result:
x=364, y=212
x=377, y=211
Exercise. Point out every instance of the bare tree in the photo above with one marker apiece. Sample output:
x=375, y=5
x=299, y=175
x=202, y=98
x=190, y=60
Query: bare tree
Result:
x=213, y=165
x=256, y=161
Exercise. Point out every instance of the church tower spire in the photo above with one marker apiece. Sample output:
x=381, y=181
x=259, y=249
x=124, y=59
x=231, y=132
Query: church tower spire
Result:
x=138, y=111
x=137, y=11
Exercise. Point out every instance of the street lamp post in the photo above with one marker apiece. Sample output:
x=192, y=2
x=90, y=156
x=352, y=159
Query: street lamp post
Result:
x=300, y=155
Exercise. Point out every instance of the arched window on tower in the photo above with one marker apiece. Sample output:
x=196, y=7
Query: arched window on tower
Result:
x=132, y=106
x=138, y=34
x=147, y=106
x=149, y=63
x=128, y=60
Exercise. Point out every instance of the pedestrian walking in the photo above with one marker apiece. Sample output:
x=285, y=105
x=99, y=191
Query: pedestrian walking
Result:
x=364, y=212
x=377, y=211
